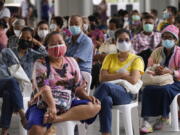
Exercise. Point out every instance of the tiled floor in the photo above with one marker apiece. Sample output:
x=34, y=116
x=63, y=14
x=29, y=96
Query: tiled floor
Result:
x=92, y=129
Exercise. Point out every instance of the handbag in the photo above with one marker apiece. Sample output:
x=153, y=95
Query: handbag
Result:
x=132, y=88
x=18, y=72
x=62, y=97
x=160, y=80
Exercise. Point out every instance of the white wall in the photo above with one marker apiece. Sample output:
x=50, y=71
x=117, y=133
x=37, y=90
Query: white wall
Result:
x=73, y=7
x=146, y=5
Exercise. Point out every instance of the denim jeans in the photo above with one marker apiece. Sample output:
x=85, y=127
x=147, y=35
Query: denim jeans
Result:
x=109, y=95
x=12, y=100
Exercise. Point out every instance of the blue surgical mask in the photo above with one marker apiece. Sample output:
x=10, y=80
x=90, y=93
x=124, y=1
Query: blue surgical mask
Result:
x=75, y=30
x=136, y=17
x=148, y=27
x=168, y=43
x=166, y=15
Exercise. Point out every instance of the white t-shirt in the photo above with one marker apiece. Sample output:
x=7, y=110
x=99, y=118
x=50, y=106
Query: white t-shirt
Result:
x=5, y=12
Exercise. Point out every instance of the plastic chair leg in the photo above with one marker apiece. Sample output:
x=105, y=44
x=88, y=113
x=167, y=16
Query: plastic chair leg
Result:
x=135, y=121
x=82, y=129
x=65, y=128
x=115, y=122
x=174, y=115
x=127, y=119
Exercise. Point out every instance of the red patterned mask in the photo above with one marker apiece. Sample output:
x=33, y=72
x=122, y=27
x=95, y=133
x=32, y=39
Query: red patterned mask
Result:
x=57, y=50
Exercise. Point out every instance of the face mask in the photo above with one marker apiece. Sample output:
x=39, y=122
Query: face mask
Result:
x=75, y=30
x=148, y=27
x=53, y=27
x=168, y=43
x=85, y=27
x=25, y=44
x=136, y=17
x=166, y=15
x=42, y=33
x=57, y=50
x=123, y=46
x=17, y=33
x=1, y=4
x=126, y=19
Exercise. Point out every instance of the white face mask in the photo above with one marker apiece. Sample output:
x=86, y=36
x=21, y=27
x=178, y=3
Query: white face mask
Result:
x=53, y=27
x=85, y=27
x=42, y=33
x=17, y=33
x=123, y=46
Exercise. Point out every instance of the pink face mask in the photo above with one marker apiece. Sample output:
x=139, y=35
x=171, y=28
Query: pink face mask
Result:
x=57, y=50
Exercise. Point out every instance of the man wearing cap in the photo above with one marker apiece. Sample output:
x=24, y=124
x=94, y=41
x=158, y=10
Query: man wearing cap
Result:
x=4, y=12
x=18, y=25
x=3, y=37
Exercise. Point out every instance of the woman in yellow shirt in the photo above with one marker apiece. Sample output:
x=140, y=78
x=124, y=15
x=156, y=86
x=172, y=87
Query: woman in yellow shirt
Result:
x=122, y=65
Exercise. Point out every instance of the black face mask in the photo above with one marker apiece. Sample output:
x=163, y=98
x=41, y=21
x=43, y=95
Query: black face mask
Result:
x=1, y=4
x=25, y=44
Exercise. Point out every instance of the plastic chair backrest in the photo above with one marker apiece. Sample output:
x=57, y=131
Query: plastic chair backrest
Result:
x=88, y=78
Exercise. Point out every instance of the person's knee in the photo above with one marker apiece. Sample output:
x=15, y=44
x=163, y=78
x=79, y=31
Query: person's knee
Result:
x=102, y=88
x=107, y=101
x=12, y=82
x=93, y=109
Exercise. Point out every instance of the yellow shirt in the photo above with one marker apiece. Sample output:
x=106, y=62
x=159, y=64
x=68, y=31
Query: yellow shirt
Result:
x=112, y=63
x=161, y=25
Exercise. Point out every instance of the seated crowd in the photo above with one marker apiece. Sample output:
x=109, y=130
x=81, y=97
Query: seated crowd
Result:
x=54, y=56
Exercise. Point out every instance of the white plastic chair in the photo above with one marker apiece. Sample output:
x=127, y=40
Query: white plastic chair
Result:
x=87, y=76
x=126, y=111
x=174, y=114
x=129, y=123
x=67, y=128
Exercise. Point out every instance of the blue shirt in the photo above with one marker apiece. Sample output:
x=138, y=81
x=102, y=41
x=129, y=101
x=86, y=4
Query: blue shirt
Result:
x=83, y=50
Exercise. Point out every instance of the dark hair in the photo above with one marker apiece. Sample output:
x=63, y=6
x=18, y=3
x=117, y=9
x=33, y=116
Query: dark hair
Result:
x=3, y=23
x=125, y=12
x=154, y=11
x=121, y=31
x=46, y=41
x=173, y=9
x=58, y=20
x=148, y=16
x=42, y=22
x=93, y=18
x=135, y=12
x=121, y=13
x=29, y=29
x=118, y=22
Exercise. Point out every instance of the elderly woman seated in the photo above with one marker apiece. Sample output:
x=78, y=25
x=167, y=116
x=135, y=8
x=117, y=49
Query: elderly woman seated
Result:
x=60, y=83
x=122, y=65
x=156, y=99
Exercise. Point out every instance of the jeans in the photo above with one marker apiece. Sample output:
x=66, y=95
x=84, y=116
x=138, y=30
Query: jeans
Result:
x=12, y=100
x=109, y=95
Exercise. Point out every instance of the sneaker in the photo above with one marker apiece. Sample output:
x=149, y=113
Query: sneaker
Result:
x=146, y=128
x=159, y=124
